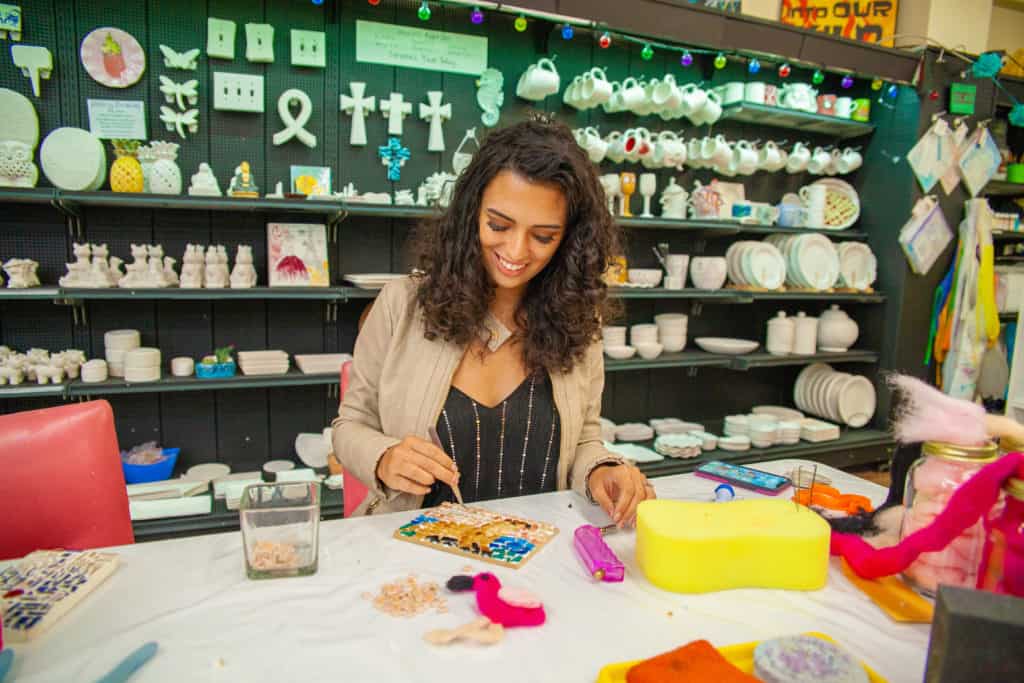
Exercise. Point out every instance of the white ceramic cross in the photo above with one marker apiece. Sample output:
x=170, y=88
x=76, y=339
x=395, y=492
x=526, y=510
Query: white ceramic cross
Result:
x=395, y=108
x=357, y=107
x=437, y=113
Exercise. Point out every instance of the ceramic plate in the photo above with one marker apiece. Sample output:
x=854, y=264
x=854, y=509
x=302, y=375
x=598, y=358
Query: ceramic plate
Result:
x=206, y=472
x=21, y=123
x=72, y=159
x=801, y=388
x=857, y=402
x=764, y=266
x=726, y=345
x=731, y=265
x=842, y=204
x=113, y=57
x=780, y=412
x=312, y=449
x=631, y=451
x=858, y=266
x=817, y=261
x=371, y=280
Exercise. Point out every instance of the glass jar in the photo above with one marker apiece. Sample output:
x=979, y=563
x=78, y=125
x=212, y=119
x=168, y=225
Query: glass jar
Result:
x=280, y=529
x=931, y=481
x=1002, y=563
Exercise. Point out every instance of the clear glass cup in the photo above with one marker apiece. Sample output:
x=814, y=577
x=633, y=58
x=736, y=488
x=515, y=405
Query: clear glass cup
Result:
x=280, y=529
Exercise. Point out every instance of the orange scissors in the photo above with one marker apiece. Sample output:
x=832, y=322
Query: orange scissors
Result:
x=830, y=498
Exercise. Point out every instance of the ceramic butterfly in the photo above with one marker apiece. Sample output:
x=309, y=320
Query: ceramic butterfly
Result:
x=180, y=60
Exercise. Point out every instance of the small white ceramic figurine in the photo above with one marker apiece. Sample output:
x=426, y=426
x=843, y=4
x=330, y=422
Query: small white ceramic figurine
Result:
x=204, y=183
x=243, y=276
x=216, y=274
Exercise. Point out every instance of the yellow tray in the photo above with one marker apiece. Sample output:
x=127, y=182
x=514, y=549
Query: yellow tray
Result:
x=741, y=656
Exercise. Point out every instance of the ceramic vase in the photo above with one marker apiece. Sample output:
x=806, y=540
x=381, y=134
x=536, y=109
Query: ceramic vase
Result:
x=164, y=176
x=837, y=331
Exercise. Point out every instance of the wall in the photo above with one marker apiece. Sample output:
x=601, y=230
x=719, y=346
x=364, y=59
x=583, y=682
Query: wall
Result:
x=762, y=9
x=1006, y=28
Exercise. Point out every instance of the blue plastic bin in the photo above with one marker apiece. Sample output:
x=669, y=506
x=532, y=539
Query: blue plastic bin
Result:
x=158, y=471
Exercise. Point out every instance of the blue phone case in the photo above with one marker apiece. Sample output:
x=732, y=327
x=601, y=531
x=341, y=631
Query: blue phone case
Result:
x=745, y=477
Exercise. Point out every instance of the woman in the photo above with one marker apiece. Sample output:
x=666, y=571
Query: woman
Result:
x=494, y=343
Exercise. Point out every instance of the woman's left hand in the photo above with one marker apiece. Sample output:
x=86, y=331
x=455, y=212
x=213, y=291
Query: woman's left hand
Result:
x=618, y=489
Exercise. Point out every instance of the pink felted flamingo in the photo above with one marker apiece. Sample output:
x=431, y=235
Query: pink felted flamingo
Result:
x=505, y=606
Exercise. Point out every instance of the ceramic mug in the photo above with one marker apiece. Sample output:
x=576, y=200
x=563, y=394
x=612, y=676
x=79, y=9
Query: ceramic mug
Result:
x=616, y=151
x=764, y=214
x=849, y=161
x=596, y=89
x=754, y=92
x=595, y=145
x=636, y=142
x=182, y=366
x=730, y=93
x=676, y=264
x=844, y=107
x=792, y=216
x=798, y=158
x=771, y=95
x=715, y=150
x=669, y=150
x=710, y=111
x=861, y=109
x=693, y=100
x=647, y=106
x=827, y=105
x=769, y=158
x=666, y=94
x=819, y=161
x=742, y=210
x=813, y=197
x=632, y=93
x=539, y=81
x=693, y=153
x=744, y=158
x=799, y=96
x=614, y=104
x=572, y=95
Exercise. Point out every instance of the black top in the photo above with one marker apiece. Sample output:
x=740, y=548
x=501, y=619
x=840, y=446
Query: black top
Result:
x=508, y=450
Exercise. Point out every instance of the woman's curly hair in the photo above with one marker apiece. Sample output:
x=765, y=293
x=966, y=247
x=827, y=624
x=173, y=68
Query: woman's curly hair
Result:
x=564, y=305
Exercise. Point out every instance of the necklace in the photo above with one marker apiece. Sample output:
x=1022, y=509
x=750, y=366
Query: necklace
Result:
x=526, y=437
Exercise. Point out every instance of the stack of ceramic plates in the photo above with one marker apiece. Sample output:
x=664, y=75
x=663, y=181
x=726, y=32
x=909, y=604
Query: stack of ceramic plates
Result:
x=371, y=280
x=780, y=412
x=763, y=430
x=94, y=370
x=789, y=432
x=322, y=363
x=115, y=344
x=842, y=204
x=678, y=445
x=263, y=362
x=633, y=452
x=858, y=266
x=673, y=425
x=708, y=441
x=73, y=159
x=607, y=429
x=672, y=331
x=837, y=396
x=755, y=264
x=142, y=364
x=726, y=345
x=736, y=425
x=734, y=443
x=812, y=261
x=633, y=431
x=818, y=430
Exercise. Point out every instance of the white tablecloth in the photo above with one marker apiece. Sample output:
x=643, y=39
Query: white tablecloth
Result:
x=213, y=624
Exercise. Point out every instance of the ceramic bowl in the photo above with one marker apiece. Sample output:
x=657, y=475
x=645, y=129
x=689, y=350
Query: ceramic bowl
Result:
x=673, y=343
x=708, y=272
x=620, y=352
x=649, y=351
x=648, y=277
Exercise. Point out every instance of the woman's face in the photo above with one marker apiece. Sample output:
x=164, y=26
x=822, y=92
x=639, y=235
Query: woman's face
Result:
x=521, y=225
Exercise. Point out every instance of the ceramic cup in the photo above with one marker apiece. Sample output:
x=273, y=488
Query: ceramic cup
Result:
x=539, y=81
x=754, y=92
x=676, y=264
x=614, y=104
x=819, y=161
x=844, y=107
x=827, y=105
x=764, y=214
x=861, y=109
x=669, y=150
x=693, y=153
x=616, y=151
x=849, y=161
x=769, y=157
x=798, y=158
x=744, y=158
x=632, y=93
x=731, y=92
x=637, y=144
x=595, y=88
x=715, y=150
x=833, y=163
x=182, y=366
x=813, y=197
x=675, y=282
x=572, y=95
x=666, y=94
x=742, y=210
x=693, y=99
x=595, y=145
x=710, y=112
x=771, y=95
x=792, y=216
x=708, y=272
x=647, y=107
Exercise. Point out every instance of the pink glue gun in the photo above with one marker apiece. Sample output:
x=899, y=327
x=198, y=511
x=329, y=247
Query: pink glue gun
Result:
x=597, y=557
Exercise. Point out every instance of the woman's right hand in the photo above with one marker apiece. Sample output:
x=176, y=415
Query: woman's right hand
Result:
x=413, y=465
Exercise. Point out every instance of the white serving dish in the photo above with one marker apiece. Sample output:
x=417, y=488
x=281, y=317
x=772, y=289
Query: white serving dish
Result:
x=144, y=357
x=620, y=352
x=726, y=345
x=645, y=277
x=633, y=452
x=371, y=280
x=321, y=363
x=137, y=375
x=170, y=507
x=780, y=412
x=207, y=471
x=649, y=351
x=312, y=449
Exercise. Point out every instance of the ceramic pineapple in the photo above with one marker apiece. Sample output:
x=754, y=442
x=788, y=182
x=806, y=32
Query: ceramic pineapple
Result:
x=126, y=173
x=164, y=175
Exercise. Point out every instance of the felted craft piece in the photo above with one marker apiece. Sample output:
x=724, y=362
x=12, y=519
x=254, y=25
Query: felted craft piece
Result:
x=508, y=607
x=697, y=661
x=478, y=534
x=43, y=586
x=691, y=547
x=112, y=57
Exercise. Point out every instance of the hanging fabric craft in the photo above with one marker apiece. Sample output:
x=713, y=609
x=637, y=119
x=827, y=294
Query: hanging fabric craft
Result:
x=179, y=92
x=180, y=121
x=185, y=61
x=980, y=160
x=294, y=127
x=951, y=178
x=932, y=155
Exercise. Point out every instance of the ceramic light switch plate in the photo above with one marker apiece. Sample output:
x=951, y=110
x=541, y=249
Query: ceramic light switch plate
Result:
x=309, y=48
x=237, y=92
x=112, y=57
x=10, y=22
x=259, y=43
x=220, y=38
x=185, y=61
x=35, y=63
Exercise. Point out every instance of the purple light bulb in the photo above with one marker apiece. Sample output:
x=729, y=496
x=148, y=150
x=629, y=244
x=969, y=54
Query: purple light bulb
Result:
x=686, y=59
x=847, y=81
x=476, y=16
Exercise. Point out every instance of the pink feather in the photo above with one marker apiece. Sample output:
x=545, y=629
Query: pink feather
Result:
x=927, y=414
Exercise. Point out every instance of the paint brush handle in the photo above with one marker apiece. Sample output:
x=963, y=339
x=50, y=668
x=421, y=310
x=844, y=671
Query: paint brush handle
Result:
x=597, y=557
x=130, y=664
x=435, y=437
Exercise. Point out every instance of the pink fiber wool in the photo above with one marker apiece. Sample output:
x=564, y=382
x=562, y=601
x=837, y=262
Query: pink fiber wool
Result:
x=927, y=414
x=966, y=506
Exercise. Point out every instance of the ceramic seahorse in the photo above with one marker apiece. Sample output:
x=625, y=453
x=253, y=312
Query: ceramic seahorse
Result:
x=489, y=96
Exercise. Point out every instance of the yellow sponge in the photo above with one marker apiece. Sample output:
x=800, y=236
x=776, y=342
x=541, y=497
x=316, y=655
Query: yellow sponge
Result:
x=691, y=547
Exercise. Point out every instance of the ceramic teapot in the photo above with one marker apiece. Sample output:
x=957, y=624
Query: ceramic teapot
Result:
x=799, y=96
x=836, y=330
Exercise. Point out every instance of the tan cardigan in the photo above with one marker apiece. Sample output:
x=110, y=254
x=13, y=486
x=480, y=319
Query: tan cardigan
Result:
x=400, y=380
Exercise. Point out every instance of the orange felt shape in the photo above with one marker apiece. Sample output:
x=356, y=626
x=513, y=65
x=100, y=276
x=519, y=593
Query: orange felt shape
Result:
x=696, y=662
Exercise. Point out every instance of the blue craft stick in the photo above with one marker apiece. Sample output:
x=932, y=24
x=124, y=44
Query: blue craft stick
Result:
x=130, y=664
x=6, y=662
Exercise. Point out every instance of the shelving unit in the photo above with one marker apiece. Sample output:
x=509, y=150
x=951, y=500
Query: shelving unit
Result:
x=792, y=119
x=1002, y=188
x=748, y=361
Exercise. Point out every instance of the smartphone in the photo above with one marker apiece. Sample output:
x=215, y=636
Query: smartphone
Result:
x=745, y=477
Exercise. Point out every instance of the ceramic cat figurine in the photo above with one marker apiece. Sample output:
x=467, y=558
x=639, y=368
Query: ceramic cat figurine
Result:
x=243, y=275
x=216, y=274
x=192, y=267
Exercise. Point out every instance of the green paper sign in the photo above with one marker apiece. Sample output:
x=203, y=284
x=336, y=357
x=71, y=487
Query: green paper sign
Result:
x=961, y=98
x=417, y=48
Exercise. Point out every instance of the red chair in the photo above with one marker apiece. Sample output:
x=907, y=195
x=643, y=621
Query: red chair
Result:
x=353, y=491
x=63, y=484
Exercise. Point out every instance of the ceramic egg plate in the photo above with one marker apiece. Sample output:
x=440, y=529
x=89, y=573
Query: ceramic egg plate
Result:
x=842, y=204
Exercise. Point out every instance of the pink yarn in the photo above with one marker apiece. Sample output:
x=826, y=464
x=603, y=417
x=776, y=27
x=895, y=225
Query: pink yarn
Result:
x=927, y=414
x=967, y=505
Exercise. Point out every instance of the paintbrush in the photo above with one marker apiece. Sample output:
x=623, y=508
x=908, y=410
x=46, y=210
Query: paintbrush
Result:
x=437, y=442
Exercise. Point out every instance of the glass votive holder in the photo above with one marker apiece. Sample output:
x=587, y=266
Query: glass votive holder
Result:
x=280, y=529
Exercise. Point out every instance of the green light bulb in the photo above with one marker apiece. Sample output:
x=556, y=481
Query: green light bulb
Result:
x=720, y=61
x=647, y=53
x=818, y=77
x=520, y=23
x=424, y=12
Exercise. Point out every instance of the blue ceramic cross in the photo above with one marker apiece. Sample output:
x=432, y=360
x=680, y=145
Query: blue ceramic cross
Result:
x=394, y=156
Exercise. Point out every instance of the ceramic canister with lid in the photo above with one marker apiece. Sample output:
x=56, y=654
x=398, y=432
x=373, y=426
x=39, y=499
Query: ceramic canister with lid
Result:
x=837, y=331
x=781, y=332
x=931, y=481
x=805, y=334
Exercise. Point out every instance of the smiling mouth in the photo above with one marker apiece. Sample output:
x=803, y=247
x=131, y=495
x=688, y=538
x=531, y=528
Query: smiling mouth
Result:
x=507, y=267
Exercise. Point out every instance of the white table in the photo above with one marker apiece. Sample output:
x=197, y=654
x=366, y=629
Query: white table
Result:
x=192, y=597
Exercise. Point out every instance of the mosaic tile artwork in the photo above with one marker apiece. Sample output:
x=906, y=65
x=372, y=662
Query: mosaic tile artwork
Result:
x=478, y=533
x=40, y=588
